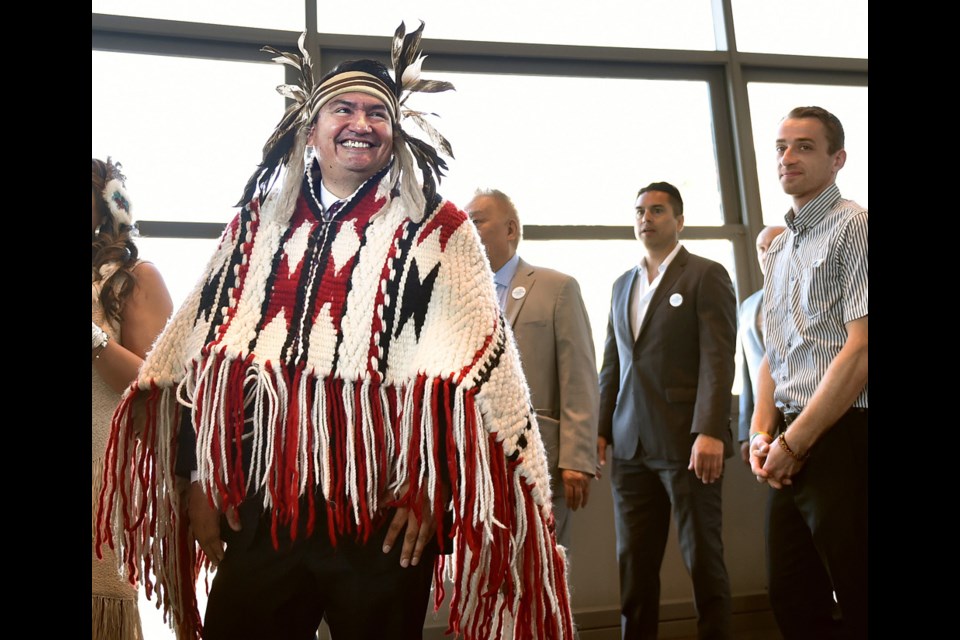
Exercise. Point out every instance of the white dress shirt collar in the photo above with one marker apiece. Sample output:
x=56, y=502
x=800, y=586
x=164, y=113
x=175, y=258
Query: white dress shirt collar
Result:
x=663, y=265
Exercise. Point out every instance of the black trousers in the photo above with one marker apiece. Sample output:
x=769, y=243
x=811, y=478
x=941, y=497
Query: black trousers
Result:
x=263, y=593
x=817, y=539
x=642, y=499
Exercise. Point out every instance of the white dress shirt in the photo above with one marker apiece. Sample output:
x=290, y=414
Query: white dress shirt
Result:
x=503, y=277
x=643, y=290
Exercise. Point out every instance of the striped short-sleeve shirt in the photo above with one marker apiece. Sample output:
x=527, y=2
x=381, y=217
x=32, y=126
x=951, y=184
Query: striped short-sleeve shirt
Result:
x=816, y=283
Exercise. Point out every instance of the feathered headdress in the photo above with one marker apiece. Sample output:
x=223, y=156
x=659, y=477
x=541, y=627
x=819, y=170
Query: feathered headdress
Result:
x=115, y=193
x=407, y=60
x=287, y=144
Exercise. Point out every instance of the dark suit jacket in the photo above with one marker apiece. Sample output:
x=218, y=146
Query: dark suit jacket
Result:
x=552, y=332
x=751, y=343
x=674, y=382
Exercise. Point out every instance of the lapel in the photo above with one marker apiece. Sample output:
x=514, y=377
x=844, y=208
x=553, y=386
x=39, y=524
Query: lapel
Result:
x=624, y=297
x=670, y=276
x=524, y=277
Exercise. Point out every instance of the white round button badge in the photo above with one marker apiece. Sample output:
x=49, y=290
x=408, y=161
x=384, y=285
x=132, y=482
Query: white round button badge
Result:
x=676, y=300
x=518, y=293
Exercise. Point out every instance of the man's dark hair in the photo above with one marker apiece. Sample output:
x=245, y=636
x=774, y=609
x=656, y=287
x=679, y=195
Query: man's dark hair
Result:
x=675, y=200
x=373, y=67
x=831, y=125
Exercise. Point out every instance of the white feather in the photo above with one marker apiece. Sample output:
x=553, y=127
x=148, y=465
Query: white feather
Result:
x=412, y=73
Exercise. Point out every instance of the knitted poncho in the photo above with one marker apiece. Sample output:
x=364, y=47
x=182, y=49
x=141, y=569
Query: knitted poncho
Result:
x=371, y=353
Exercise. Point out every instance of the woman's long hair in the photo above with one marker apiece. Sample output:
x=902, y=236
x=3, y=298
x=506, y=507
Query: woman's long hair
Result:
x=112, y=242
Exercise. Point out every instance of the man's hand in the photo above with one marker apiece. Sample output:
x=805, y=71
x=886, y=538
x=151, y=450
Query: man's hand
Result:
x=780, y=466
x=745, y=452
x=205, y=522
x=601, y=456
x=706, y=458
x=417, y=534
x=576, y=488
x=759, y=448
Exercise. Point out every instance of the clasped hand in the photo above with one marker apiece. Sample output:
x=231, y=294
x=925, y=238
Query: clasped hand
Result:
x=770, y=464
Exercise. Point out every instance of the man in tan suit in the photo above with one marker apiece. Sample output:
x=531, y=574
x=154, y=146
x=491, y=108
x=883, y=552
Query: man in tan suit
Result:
x=552, y=332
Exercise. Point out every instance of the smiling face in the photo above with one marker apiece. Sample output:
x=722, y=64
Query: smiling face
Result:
x=804, y=163
x=353, y=138
x=655, y=225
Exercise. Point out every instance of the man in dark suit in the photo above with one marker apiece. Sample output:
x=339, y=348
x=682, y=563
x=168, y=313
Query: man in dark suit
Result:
x=668, y=367
x=751, y=343
x=552, y=332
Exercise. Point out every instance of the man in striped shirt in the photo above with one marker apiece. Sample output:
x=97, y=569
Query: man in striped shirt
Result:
x=809, y=430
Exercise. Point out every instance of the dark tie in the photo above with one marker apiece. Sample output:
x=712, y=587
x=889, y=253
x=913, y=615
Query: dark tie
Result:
x=332, y=211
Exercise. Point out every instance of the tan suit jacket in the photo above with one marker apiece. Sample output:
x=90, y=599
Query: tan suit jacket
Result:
x=552, y=332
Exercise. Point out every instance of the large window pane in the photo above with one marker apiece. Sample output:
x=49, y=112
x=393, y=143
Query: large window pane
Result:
x=597, y=263
x=181, y=261
x=835, y=28
x=188, y=132
x=275, y=14
x=770, y=102
x=151, y=618
x=576, y=150
x=651, y=24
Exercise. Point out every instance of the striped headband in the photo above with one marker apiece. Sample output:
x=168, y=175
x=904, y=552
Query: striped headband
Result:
x=355, y=82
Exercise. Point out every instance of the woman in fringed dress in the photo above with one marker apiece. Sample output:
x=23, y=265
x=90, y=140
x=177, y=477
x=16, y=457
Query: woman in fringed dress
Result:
x=131, y=305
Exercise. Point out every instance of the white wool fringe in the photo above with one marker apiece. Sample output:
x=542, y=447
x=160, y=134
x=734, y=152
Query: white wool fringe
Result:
x=369, y=445
x=351, y=455
x=322, y=445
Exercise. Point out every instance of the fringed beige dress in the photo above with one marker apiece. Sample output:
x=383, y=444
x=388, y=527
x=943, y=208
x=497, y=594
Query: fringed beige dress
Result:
x=115, y=612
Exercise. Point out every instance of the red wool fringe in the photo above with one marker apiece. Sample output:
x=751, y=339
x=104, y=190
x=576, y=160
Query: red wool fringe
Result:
x=131, y=465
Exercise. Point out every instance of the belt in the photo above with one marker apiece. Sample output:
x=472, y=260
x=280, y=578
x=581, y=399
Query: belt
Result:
x=793, y=413
x=790, y=416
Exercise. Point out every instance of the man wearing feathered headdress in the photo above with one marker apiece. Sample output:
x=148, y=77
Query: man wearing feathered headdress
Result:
x=339, y=400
